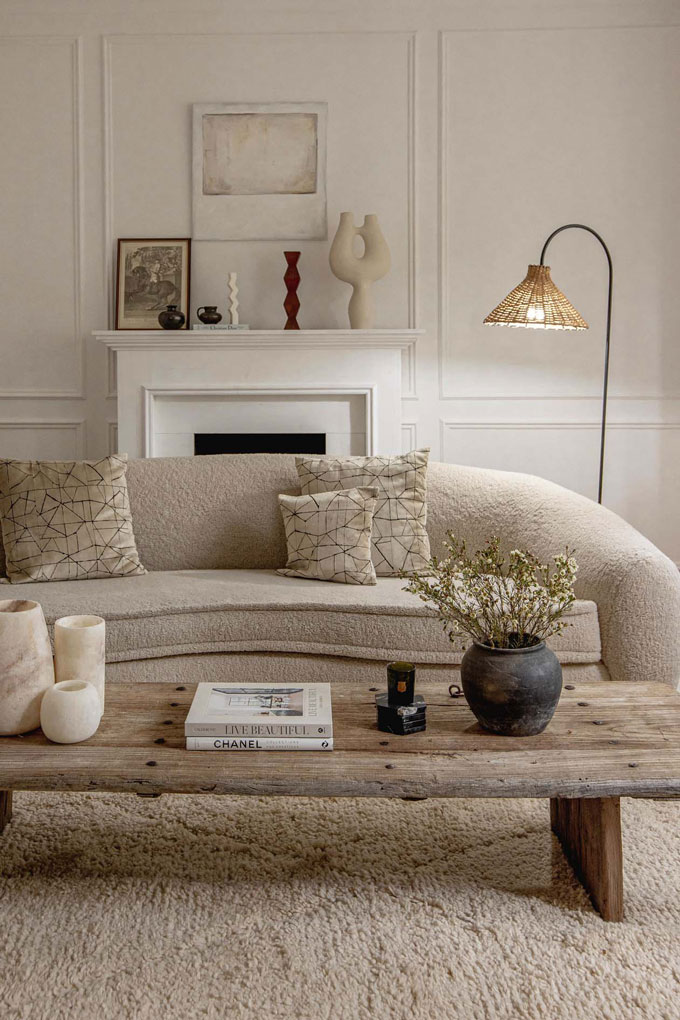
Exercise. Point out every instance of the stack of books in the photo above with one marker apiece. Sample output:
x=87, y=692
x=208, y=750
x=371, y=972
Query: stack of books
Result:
x=260, y=717
x=239, y=327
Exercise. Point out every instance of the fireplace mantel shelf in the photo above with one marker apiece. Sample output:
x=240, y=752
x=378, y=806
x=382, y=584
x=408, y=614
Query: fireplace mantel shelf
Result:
x=186, y=339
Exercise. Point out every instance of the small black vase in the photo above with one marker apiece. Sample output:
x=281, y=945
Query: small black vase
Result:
x=172, y=318
x=209, y=315
x=513, y=691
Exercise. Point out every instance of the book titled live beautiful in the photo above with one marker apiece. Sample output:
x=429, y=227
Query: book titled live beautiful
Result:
x=261, y=715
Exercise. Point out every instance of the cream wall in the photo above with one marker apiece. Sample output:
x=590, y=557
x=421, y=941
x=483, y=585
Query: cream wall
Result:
x=472, y=129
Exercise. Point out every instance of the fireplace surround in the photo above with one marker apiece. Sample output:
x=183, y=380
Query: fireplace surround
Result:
x=346, y=384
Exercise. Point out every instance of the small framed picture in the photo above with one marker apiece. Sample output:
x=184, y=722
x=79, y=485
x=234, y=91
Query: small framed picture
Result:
x=152, y=274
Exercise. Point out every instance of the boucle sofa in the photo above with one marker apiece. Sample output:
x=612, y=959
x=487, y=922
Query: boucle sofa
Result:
x=209, y=531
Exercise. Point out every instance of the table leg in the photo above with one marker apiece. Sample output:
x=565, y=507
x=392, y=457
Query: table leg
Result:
x=5, y=808
x=589, y=830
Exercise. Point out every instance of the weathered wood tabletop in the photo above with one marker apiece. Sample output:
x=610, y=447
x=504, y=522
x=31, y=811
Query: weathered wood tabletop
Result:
x=607, y=740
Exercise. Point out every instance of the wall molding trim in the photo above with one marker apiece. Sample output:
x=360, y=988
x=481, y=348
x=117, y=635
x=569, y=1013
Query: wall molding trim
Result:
x=412, y=189
x=107, y=40
x=78, y=344
x=76, y=426
x=112, y=436
x=107, y=183
x=408, y=433
x=443, y=208
x=460, y=424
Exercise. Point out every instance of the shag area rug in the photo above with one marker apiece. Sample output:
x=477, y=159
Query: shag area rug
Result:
x=186, y=907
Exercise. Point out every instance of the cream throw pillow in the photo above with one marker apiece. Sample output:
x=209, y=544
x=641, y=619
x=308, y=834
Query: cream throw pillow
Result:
x=329, y=535
x=400, y=539
x=66, y=520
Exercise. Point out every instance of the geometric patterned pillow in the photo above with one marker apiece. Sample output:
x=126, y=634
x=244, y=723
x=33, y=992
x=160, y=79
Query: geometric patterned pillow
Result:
x=329, y=536
x=400, y=539
x=67, y=520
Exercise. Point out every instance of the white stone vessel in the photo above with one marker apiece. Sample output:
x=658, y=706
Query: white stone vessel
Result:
x=359, y=270
x=26, y=666
x=70, y=712
x=79, y=651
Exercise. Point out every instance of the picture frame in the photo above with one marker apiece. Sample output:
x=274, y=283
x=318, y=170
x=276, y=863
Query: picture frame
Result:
x=259, y=171
x=151, y=274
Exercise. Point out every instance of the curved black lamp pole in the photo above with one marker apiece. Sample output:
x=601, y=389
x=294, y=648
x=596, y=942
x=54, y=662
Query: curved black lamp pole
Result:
x=581, y=226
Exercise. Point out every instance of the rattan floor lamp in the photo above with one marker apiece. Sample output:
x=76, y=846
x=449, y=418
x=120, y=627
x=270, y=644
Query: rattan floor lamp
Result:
x=538, y=304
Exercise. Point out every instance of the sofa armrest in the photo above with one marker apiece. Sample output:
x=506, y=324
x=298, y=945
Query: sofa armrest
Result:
x=636, y=587
x=637, y=591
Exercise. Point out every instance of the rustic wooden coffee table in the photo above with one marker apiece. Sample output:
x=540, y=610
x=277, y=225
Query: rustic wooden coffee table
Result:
x=606, y=741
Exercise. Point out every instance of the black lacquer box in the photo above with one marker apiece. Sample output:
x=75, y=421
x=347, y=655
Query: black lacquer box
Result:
x=401, y=719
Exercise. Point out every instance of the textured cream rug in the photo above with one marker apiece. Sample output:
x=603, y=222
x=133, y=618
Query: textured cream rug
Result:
x=187, y=907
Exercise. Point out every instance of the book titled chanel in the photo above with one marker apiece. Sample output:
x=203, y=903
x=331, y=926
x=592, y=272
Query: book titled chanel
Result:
x=259, y=744
x=295, y=712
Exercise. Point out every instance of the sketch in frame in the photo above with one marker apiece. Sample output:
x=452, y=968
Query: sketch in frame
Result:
x=259, y=171
x=152, y=274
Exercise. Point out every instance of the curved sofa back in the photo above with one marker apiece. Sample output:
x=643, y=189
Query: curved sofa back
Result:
x=222, y=511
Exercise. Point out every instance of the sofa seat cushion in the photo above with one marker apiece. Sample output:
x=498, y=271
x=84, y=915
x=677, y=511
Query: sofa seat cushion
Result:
x=192, y=611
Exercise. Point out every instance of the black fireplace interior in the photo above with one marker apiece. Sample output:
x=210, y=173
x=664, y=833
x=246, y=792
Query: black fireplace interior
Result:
x=259, y=442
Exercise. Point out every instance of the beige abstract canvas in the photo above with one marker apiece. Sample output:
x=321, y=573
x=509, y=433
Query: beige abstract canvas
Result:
x=259, y=171
x=259, y=153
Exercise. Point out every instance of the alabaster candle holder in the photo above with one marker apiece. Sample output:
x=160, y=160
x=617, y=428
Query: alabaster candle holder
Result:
x=26, y=668
x=79, y=651
x=70, y=711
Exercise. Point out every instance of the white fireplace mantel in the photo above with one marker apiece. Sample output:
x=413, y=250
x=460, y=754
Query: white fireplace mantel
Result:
x=347, y=383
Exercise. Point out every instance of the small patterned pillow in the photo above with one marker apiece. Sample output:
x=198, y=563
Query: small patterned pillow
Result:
x=400, y=539
x=67, y=520
x=329, y=535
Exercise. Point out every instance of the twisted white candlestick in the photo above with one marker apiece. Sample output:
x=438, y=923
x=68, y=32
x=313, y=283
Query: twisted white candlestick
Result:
x=233, y=300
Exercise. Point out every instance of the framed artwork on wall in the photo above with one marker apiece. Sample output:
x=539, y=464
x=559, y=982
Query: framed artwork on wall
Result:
x=152, y=274
x=259, y=171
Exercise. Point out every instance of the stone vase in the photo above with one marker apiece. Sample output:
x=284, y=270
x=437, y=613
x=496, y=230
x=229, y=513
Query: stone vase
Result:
x=26, y=666
x=359, y=270
x=80, y=651
x=209, y=315
x=512, y=691
x=70, y=712
x=172, y=318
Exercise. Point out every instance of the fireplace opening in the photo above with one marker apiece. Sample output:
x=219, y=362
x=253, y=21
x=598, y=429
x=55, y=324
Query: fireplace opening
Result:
x=259, y=442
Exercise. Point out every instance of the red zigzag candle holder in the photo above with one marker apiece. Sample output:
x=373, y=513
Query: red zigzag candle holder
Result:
x=291, y=279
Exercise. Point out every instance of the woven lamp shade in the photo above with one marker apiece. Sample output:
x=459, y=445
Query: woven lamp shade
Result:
x=537, y=304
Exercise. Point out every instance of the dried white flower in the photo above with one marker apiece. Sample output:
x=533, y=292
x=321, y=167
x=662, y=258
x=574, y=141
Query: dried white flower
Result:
x=513, y=605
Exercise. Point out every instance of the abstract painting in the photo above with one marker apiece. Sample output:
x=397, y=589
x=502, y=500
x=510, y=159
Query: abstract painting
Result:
x=259, y=171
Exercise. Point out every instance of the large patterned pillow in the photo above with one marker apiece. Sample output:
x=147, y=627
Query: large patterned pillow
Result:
x=329, y=535
x=66, y=520
x=400, y=540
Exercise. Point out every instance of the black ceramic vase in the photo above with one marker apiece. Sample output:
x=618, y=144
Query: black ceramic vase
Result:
x=172, y=318
x=513, y=691
x=209, y=315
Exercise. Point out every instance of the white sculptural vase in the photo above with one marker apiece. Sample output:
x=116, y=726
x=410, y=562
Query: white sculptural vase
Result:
x=233, y=300
x=79, y=651
x=70, y=712
x=26, y=667
x=359, y=270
